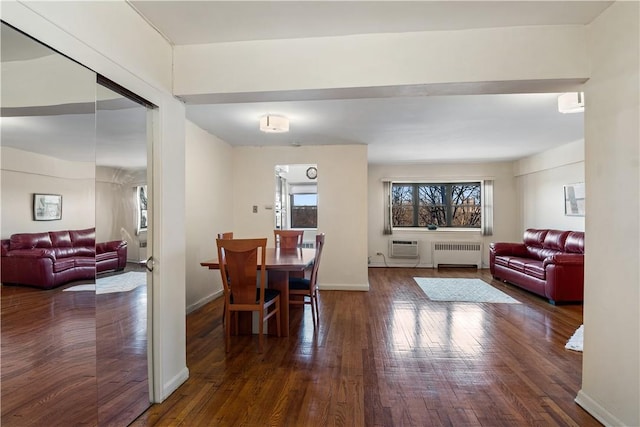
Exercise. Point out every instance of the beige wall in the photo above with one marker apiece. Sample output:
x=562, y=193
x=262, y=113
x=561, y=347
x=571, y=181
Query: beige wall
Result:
x=116, y=209
x=342, y=204
x=479, y=55
x=25, y=173
x=209, y=210
x=541, y=179
x=611, y=362
x=505, y=219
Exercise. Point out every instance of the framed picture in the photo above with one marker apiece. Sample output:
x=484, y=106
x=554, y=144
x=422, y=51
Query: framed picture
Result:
x=47, y=207
x=574, y=199
x=141, y=205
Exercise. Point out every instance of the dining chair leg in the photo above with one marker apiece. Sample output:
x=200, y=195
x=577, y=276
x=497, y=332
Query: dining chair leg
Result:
x=261, y=331
x=314, y=299
x=313, y=310
x=278, y=316
x=227, y=331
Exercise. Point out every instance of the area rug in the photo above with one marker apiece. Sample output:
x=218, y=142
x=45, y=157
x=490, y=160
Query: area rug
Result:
x=119, y=283
x=463, y=290
x=576, y=341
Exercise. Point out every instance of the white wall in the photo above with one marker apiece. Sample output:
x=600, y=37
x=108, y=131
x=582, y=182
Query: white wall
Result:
x=99, y=35
x=505, y=208
x=116, y=209
x=209, y=210
x=25, y=173
x=342, y=204
x=611, y=361
x=541, y=179
x=479, y=55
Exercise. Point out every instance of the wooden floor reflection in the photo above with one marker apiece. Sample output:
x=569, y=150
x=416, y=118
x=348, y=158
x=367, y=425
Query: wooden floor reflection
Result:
x=73, y=358
x=387, y=357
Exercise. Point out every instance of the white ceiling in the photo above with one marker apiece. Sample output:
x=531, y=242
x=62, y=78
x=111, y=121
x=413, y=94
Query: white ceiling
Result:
x=399, y=124
x=398, y=129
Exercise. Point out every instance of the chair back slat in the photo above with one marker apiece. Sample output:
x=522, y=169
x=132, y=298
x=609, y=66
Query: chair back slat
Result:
x=243, y=258
x=316, y=262
x=288, y=239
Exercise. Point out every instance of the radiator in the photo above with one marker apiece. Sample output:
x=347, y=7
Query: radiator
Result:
x=403, y=248
x=457, y=253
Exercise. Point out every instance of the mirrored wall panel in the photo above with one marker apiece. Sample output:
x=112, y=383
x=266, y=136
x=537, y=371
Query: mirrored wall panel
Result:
x=122, y=225
x=48, y=364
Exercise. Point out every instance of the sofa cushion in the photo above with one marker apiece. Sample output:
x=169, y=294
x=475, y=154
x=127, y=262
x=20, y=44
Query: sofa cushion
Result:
x=84, y=261
x=534, y=238
x=63, y=264
x=106, y=255
x=29, y=241
x=85, y=237
x=502, y=260
x=575, y=242
x=555, y=240
x=535, y=269
x=60, y=239
x=518, y=264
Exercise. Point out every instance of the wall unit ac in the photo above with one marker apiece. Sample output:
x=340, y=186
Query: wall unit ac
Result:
x=403, y=248
x=457, y=253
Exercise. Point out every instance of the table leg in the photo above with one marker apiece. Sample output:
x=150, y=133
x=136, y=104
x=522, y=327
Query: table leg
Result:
x=280, y=280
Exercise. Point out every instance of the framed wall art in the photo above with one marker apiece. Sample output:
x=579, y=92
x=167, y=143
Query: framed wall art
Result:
x=47, y=207
x=574, y=199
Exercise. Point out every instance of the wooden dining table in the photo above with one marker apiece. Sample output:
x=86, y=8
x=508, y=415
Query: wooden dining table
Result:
x=279, y=263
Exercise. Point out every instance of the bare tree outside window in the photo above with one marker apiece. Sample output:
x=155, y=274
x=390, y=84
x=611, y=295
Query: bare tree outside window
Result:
x=436, y=204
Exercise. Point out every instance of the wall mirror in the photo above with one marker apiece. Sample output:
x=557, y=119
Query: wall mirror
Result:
x=79, y=356
x=296, y=198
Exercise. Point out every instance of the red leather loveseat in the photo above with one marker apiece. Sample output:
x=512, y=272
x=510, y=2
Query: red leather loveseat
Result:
x=549, y=263
x=50, y=259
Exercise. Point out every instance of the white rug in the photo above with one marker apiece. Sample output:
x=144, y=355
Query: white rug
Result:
x=576, y=340
x=464, y=290
x=119, y=283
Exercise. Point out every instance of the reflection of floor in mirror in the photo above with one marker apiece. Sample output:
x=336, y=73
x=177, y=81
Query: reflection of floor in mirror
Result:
x=49, y=354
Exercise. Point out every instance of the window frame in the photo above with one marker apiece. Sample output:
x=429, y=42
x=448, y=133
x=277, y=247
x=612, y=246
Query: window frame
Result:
x=448, y=207
x=292, y=208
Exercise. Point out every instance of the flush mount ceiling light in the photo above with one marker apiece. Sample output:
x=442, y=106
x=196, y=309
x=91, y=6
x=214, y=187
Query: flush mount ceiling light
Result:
x=274, y=124
x=572, y=102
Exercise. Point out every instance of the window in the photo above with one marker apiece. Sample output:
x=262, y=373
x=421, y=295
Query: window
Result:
x=304, y=210
x=454, y=204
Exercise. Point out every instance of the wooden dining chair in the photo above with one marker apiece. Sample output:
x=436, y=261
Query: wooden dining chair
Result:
x=243, y=260
x=225, y=236
x=306, y=288
x=288, y=239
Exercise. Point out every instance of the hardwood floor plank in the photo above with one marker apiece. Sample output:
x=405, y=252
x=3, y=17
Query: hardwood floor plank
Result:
x=387, y=357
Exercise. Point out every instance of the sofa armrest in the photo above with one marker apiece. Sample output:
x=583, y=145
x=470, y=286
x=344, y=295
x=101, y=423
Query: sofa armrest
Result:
x=564, y=259
x=32, y=253
x=111, y=246
x=505, y=248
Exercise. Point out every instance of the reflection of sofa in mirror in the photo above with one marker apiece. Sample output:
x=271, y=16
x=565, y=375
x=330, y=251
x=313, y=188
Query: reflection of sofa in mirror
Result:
x=50, y=259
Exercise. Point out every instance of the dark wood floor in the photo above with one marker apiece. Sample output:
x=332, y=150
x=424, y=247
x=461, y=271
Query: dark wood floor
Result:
x=73, y=358
x=387, y=357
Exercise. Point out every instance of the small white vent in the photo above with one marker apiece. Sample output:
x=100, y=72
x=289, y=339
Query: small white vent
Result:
x=457, y=253
x=403, y=248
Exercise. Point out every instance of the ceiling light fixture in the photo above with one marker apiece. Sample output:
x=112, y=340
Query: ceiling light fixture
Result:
x=572, y=102
x=274, y=124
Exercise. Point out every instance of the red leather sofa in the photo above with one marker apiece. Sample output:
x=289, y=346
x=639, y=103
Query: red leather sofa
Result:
x=50, y=259
x=549, y=263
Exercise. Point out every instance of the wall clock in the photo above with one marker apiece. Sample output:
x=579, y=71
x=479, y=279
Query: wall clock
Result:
x=312, y=173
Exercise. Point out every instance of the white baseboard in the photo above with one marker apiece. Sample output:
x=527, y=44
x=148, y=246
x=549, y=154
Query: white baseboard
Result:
x=343, y=287
x=172, y=385
x=202, y=301
x=596, y=410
